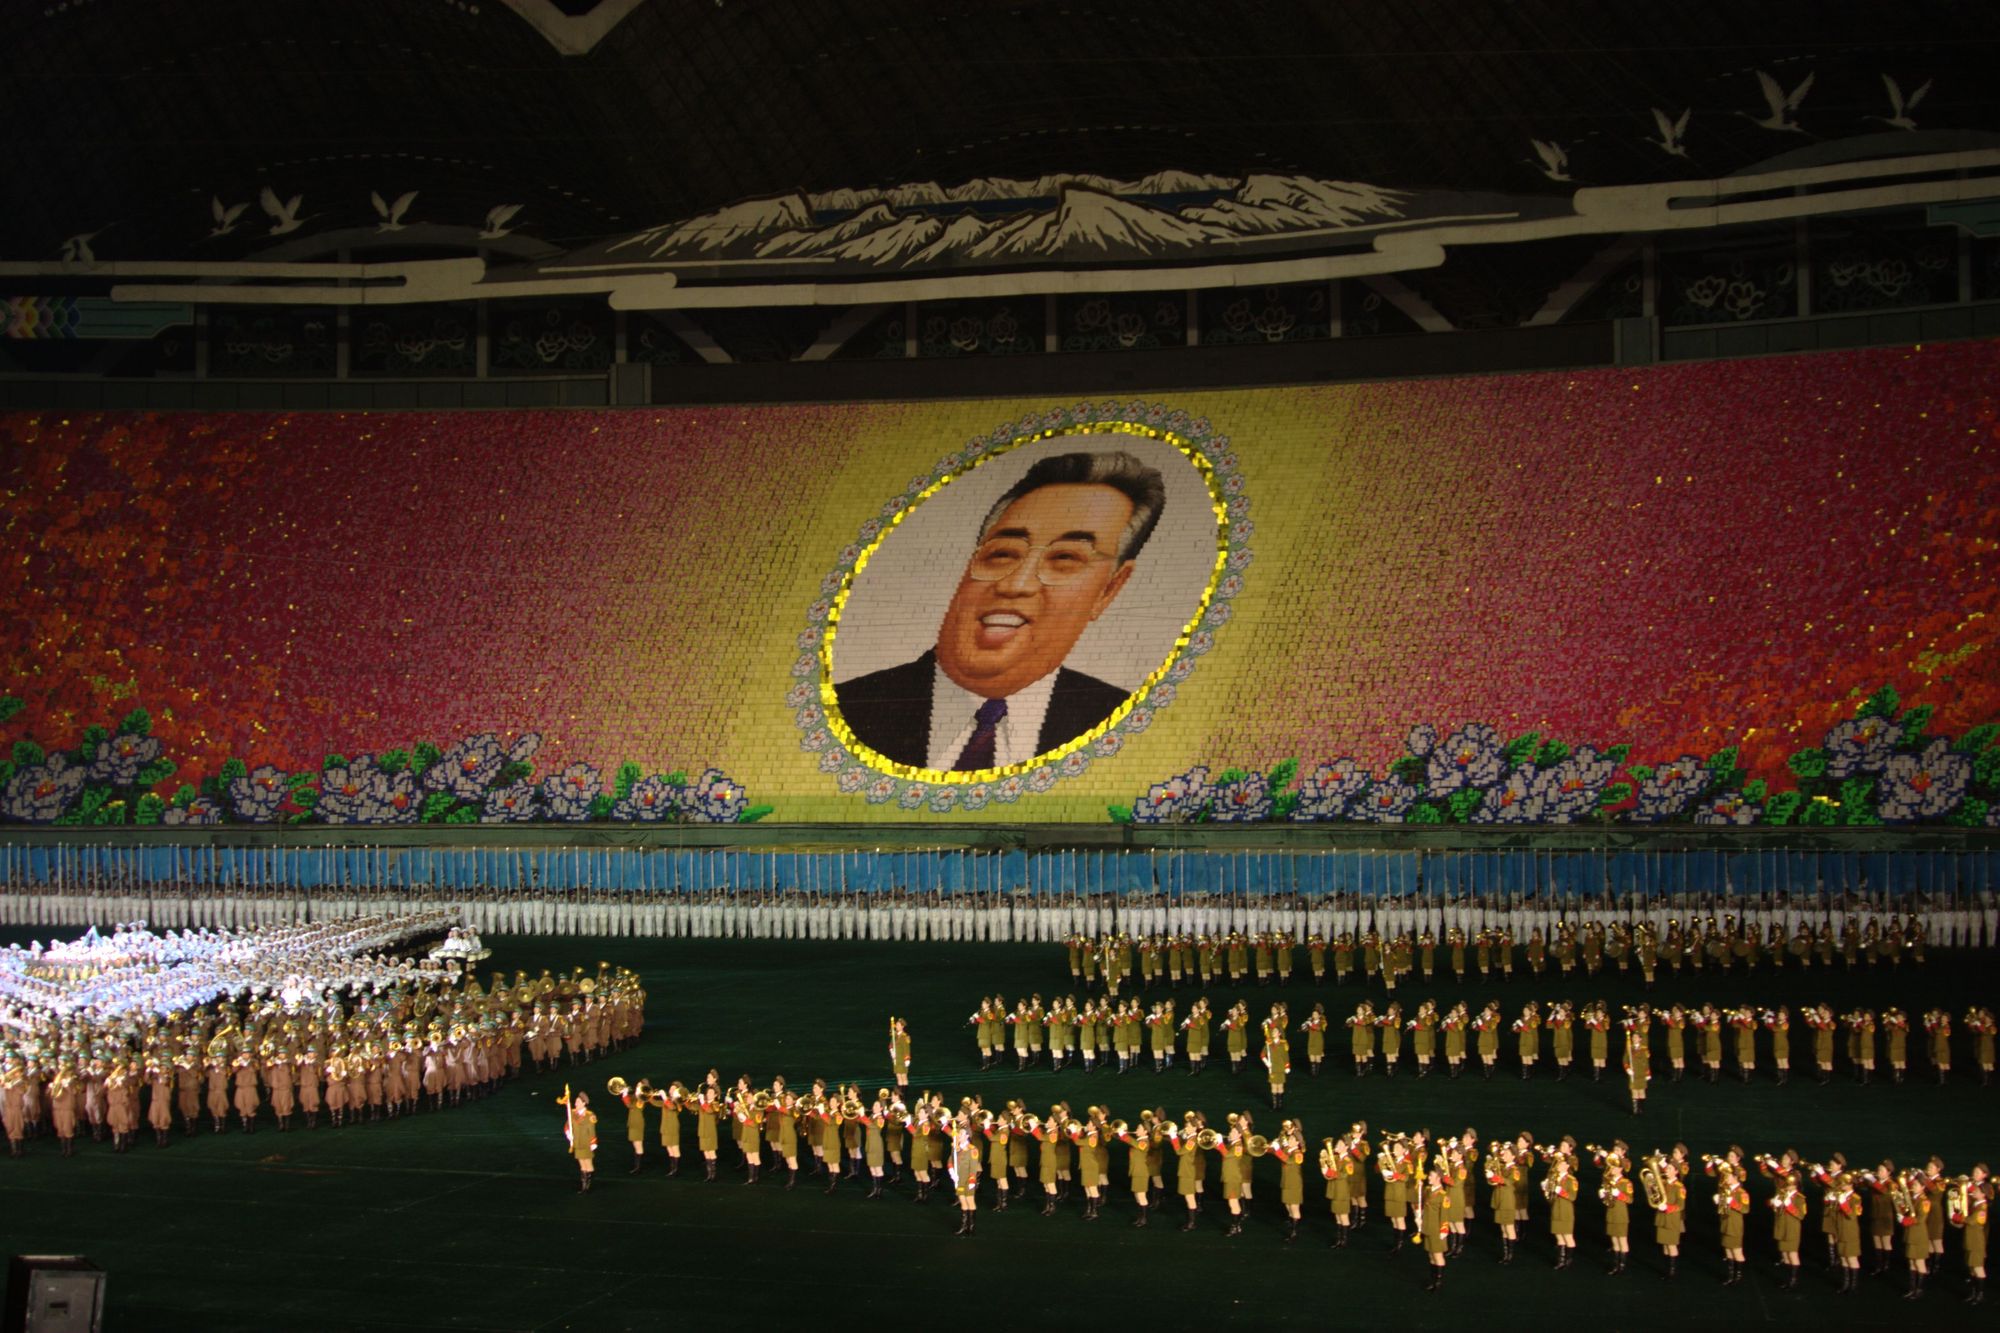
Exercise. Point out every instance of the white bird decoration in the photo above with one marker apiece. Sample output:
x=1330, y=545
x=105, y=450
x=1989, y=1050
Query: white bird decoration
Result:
x=76, y=250
x=284, y=216
x=497, y=218
x=1779, y=105
x=225, y=218
x=1555, y=162
x=1671, y=131
x=392, y=214
x=1901, y=119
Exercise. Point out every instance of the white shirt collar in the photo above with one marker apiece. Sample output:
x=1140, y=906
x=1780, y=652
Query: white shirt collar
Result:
x=953, y=720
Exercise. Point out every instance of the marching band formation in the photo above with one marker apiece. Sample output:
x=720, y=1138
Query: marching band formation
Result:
x=1429, y=1189
x=109, y=1032
x=1589, y=945
x=1100, y=1030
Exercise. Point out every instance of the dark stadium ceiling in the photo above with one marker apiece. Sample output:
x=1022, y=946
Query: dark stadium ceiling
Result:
x=536, y=130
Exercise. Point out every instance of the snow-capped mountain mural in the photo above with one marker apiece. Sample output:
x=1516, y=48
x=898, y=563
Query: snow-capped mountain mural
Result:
x=1070, y=218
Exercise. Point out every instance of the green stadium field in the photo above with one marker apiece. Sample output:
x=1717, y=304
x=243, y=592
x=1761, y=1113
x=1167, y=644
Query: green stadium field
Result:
x=470, y=1218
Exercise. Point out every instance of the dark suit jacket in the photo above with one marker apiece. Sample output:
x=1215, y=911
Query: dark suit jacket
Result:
x=890, y=710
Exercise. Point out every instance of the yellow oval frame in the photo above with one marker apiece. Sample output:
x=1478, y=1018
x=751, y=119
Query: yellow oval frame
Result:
x=1213, y=477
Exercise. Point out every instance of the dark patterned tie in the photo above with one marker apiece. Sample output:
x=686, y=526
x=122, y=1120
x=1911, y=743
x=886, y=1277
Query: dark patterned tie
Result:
x=978, y=752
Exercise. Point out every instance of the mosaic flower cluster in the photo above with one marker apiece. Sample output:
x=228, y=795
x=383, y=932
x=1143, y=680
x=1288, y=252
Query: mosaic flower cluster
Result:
x=852, y=776
x=119, y=776
x=1881, y=766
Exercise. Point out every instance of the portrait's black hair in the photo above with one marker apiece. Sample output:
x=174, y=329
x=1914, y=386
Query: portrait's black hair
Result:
x=1142, y=485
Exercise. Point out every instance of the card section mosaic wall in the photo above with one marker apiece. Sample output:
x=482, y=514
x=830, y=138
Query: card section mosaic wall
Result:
x=1731, y=592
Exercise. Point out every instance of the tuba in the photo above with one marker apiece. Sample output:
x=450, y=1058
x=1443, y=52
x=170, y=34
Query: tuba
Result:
x=1902, y=1197
x=1651, y=1182
x=616, y=1087
x=1958, y=1200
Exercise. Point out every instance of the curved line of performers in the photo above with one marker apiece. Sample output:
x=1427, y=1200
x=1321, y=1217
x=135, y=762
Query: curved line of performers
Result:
x=1113, y=959
x=1428, y=1190
x=1129, y=1029
x=366, y=1056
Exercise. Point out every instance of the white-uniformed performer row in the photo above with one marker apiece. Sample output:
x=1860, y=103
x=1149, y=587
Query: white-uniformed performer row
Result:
x=1966, y=920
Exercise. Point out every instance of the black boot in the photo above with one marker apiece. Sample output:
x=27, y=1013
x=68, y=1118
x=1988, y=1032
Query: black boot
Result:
x=1140, y=1220
x=875, y=1188
x=1235, y=1225
x=1189, y=1224
x=1049, y=1205
x=1291, y=1230
x=638, y=1164
x=709, y=1163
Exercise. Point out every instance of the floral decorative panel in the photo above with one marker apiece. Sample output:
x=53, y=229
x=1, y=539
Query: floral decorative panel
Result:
x=549, y=337
x=1755, y=277
x=1755, y=591
x=415, y=340
x=271, y=340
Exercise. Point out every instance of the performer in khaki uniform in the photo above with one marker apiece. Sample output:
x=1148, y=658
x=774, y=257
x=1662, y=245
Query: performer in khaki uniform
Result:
x=1732, y=1204
x=1670, y=1214
x=1788, y=1211
x=899, y=1053
x=1435, y=1226
x=635, y=1123
x=1616, y=1195
x=1561, y=1188
x=582, y=1130
x=965, y=1173
x=1976, y=1197
x=671, y=1105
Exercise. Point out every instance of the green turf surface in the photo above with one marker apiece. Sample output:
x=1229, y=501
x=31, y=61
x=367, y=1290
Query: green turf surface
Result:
x=469, y=1219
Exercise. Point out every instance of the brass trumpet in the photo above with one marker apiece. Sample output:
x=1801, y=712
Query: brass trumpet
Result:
x=1118, y=1129
x=1208, y=1139
x=616, y=1086
x=1031, y=1124
x=1256, y=1145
